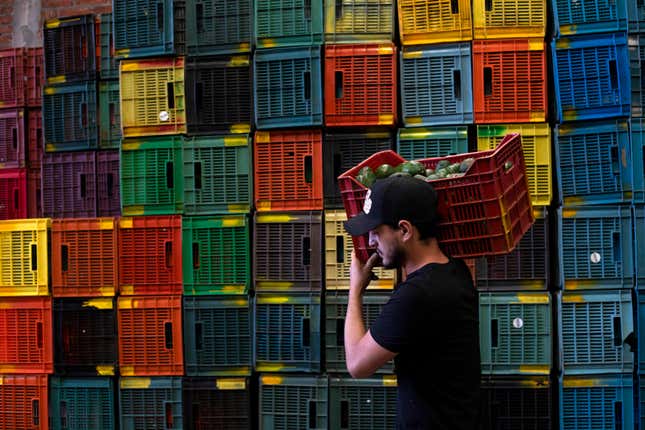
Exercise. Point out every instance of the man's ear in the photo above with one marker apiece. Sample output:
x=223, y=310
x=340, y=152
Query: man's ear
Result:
x=406, y=228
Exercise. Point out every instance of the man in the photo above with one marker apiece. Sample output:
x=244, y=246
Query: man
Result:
x=430, y=324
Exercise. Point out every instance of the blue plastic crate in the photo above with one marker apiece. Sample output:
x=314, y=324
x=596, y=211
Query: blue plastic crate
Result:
x=422, y=142
x=515, y=333
x=150, y=403
x=216, y=27
x=591, y=74
x=70, y=117
x=368, y=403
x=594, y=162
x=636, y=44
x=638, y=159
x=287, y=333
x=640, y=317
x=639, y=245
x=436, y=85
x=217, y=336
x=148, y=28
x=595, y=247
x=287, y=87
x=81, y=403
x=597, y=403
x=596, y=332
x=280, y=23
x=517, y=403
x=293, y=402
x=589, y=16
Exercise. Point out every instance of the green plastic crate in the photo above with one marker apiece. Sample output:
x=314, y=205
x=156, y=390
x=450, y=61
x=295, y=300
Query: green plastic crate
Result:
x=280, y=23
x=293, y=402
x=216, y=254
x=422, y=142
x=150, y=176
x=109, y=115
x=81, y=403
x=515, y=333
x=217, y=175
x=363, y=403
x=215, y=27
x=217, y=336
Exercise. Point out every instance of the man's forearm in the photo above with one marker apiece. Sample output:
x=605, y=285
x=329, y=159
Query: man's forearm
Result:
x=354, y=325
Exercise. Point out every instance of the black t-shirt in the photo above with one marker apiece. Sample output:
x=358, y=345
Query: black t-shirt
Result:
x=432, y=321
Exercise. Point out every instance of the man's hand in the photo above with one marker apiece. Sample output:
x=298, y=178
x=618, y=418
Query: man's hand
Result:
x=361, y=274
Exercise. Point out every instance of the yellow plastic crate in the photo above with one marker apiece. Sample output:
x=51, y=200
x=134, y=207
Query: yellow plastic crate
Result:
x=338, y=256
x=509, y=18
x=536, y=144
x=24, y=257
x=152, y=97
x=425, y=21
x=359, y=20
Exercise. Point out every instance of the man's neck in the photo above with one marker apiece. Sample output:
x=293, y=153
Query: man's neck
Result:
x=421, y=254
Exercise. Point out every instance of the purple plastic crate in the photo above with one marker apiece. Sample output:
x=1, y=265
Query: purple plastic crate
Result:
x=107, y=183
x=12, y=138
x=69, y=184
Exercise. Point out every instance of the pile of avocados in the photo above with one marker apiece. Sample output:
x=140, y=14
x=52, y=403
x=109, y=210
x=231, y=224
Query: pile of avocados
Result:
x=443, y=169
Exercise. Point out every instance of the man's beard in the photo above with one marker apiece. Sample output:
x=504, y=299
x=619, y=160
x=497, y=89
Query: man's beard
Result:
x=396, y=259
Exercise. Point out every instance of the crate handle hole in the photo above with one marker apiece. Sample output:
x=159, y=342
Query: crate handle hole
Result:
x=488, y=81
x=306, y=82
x=340, y=249
x=170, y=91
x=197, y=172
x=489, y=5
x=195, y=255
x=454, y=6
x=613, y=152
x=84, y=115
x=312, y=414
x=12, y=77
x=344, y=414
x=307, y=10
x=34, y=257
x=170, y=175
x=199, y=336
x=613, y=74
x=14, y=138
x=199, y=13
x=63, y=414
x=618, y=337
x=306, y=251
x=338, y=161
x=39, y=334
x=64, y=257
x=160, y=16
x=306, y=326
x=339, y=9
x=168, y=334
x=199, y=99
x=618, y=415
x=340, y=332
x=456, y=83
x=494, y=332
x=112, y=109
x=308, y=168
x=168, y=252
x=338, y=78
x=16, y=199
x=35, y=411
x=110, y=184
x=83, y=185
x=615, y=239
x=169, y=417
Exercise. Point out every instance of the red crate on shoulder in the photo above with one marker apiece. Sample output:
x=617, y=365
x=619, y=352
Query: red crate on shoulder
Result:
x=360, y=85
x=509, y=81
x=34, y=194
x=26, y=344
x=484, y=212
x=35, y=72
x=12, y=138
x=12, y=78
x=34, y=138
x=150, y=255
x=83, y=258
x=13, y=193
x=24, y=402
x=150, y=336
x=288, y=170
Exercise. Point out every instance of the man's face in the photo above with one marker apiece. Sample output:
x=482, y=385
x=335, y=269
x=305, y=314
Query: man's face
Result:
x=388, y=246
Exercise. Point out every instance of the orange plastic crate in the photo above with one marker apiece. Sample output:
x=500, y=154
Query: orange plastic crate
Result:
x=288, y=170
x=150, y=336
x=150, y=255
x=24, y=402
x=360, y=85
x=509, y=81
x=26, y=344
x=84, y=259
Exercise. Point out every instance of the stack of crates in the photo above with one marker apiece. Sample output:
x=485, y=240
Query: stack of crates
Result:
x=598, y=148
x=21, y=79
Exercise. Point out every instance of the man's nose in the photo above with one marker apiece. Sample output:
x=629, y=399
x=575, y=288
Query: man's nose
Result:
x=371, y=241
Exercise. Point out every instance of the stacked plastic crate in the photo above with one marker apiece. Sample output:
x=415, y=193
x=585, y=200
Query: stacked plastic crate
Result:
x=21, y=79
x=596, y=165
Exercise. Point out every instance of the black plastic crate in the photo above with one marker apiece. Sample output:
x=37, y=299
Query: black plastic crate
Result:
x=85, y=336
x=217, y=403
x=343, y=150
x=219, y=94
x=70, y=49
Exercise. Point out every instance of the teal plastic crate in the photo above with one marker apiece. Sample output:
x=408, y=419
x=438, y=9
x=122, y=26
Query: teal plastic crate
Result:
x=279, y=23
x=597, y=403
x=217, y=175
x=596, y=332
x=640, y=317
x=150, y=403
x=81, y=403
x=287, y=333
x=638, y=159
x=216, y=254
x=358, y=21
x=293, y=402
x=216, y=27
x=150, y=176
x=422, y=142
x=109, y=115
x=515, y=333
x=335, y=312
x=639, y=244
x=217, y=336
x=108, y=65
x=589, y=16
x=363, y=403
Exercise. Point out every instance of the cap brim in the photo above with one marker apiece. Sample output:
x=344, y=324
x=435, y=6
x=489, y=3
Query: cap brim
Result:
x=361, y=224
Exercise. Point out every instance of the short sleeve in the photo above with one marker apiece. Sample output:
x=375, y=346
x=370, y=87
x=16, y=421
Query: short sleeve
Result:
x=395, y=327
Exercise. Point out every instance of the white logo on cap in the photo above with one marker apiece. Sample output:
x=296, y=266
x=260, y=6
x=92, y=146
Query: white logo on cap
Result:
x=367, y=205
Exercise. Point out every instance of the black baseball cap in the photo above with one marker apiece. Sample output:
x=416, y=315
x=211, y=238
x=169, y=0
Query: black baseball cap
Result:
x=392, y=199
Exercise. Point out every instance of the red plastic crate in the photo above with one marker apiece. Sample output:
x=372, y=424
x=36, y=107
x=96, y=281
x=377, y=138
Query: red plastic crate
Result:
x=150, y=336
x=509, y=81
x=360, y=85
x=288, y=170
x=84, y=259
x=34, y=194
x=485, y=212
x=24, y=402
x=150, y=255
x=12, y=138
x=26, y=344
x=35, y=71
x=13, y=193
x=34, y=138
x=12, y=77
